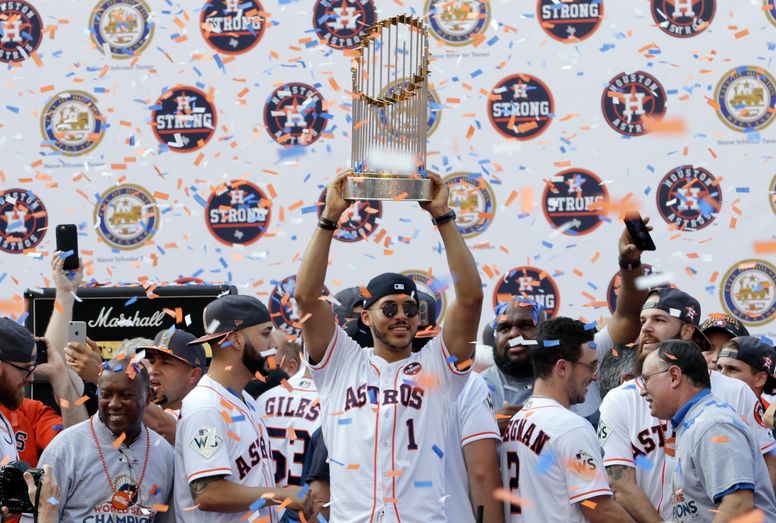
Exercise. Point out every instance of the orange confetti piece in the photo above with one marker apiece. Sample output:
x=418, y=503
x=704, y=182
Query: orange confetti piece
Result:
x=80, y=401
x=765, y=247
x=589, y=504
x=719, y=439
x=118, y=441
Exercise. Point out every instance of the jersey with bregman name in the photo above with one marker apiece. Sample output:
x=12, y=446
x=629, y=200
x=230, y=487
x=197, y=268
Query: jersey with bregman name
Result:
x=630, y=436
x=551, y=460
x=385, y=426
x=220, y=434
x=291, y=415
x=474, y=421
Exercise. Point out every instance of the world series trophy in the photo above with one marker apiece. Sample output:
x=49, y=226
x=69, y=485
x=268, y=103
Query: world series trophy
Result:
x=390, y=113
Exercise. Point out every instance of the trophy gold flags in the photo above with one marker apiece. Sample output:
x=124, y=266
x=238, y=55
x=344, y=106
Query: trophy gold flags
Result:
x=390, y=113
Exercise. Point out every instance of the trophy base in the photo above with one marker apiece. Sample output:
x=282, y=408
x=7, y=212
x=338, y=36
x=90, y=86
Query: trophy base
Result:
x=387, y=187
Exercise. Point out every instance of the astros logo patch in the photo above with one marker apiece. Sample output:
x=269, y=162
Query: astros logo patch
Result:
x=121, y=28
x=748, y=292
x=21, y=31
x=457, y=23
x=683, y=18
x=340, y=23
x=23, y=220
x=358, y=221
x=282, y=306
x=521, y=107
x=232, y=26
x=746, y=98
x=613, y=290
x=772, y=195
x=473, y=201
x=631, y=100
x=127, y=216
x=570, y=22
x=431, y=286
x=529, y=283
x=238, y=213
x=71, y=123
x=689, y=197
x=573, y=201
x=293, y=114
x=183, y=119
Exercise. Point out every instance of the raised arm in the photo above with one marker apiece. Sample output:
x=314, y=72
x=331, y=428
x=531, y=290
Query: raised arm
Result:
x=66, y=283
x=318, y=327
x=463, y=315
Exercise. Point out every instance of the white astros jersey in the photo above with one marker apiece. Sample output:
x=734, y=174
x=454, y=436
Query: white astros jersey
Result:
x=474, y=421
x=630, y=436
x=8, y=450
x=297, y=409
x=385, y=426
x=550, y=459
x=219, y=434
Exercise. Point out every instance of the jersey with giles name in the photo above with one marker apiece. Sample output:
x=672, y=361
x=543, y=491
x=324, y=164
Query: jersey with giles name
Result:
x=207, y=445
x=551, y=457
x=474, y=421
x=385, y=425
x=630, y=436
x=291, y=414
x=7, y=441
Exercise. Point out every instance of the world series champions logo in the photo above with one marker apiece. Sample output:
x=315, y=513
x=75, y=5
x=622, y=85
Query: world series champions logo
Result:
x=121, y=28
x=282, y=306
x=294, y=115
x=689, y=197
x=458, y=23
x=358, y=222
x=23, y=220
x=71, y=123
x=683, y=18
x=232, y=27
x=21, y=31
x=183, y=119
x=573, y=201
x=474, y=202
x=520, y=107
x=339, y=23
x=569, y=22
x=631, y=100
x=238, y=213
x=126, y=216
x=746, y=99
x=531, y=284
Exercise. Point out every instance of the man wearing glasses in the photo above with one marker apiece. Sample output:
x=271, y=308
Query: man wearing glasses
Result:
x=720, y=473
x=386, y=410
x=17, y=363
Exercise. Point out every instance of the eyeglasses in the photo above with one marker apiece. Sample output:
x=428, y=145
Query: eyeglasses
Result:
x=390, y=309
x=26, y=370
x=644, y=378
x=591, y=366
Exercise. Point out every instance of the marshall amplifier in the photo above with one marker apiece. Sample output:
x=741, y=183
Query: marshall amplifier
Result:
x=113, y=314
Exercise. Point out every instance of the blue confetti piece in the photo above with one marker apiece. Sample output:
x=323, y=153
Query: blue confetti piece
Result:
x=551, y=343
x=438, y=451
x=643, y=463
x=12, y=108
x=742, y=189
x=547, y=244
x=130, y=301
x=320, y=518
x=422, y=484
x=58, y=427
x=452, y=359
x=256, y=505
x=606, y=47
x=344, y=421
x=236, y=419
x=546, y=460
x=590, y=326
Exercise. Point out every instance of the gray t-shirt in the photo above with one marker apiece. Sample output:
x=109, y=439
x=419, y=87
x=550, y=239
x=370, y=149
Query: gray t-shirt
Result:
x=715, y=452
x=86, y=496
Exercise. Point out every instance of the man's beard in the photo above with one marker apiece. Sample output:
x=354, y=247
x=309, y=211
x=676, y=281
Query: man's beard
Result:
x=521, y=368
x=251, y=359
x=11, y=398
x=383, y=337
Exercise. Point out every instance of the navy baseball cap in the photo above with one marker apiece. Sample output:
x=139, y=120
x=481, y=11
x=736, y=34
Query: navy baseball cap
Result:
x=231, y=313
x=16, y=342
x=755, y=353
x=348, y=299
x=680, y=305
x=389, y=283
x=175, y=342
x=724, y=323
x=428, y=316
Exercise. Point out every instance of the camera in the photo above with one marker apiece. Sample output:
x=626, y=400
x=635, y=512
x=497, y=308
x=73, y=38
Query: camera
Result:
x=13, y=488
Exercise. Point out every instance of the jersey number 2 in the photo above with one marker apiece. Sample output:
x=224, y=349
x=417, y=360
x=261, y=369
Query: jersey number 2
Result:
x=514, y=479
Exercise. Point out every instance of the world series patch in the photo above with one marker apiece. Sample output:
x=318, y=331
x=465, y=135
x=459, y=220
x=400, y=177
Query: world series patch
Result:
x=71, y=123
x=520, y=107
x=529, y=283
x=238, y=213
x=282, y=306
x=340, y=23
x=631, y=100
x=127, y=216
x=183, y=119
x=23, y=220
x=121, y=28
x=689, y=197
x=232, y=26
x=432, y=286
x=746, y=98
x=683, y=18
x=294, y=115
x=474, y=202
x=22, y=31
x=748, y=292
x=457, y=23
x=358, y=221
x=573, y=201
x=570, y=22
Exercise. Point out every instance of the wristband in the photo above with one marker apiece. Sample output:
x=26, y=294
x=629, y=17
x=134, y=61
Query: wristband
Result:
x=629, y=266
x=447, y=217
x=326, y=224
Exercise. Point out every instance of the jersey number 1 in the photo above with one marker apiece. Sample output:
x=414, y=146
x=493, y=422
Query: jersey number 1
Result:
x=412, y=445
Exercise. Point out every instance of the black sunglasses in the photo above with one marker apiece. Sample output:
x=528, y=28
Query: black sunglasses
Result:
x=26, y=370
x=390, y=309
